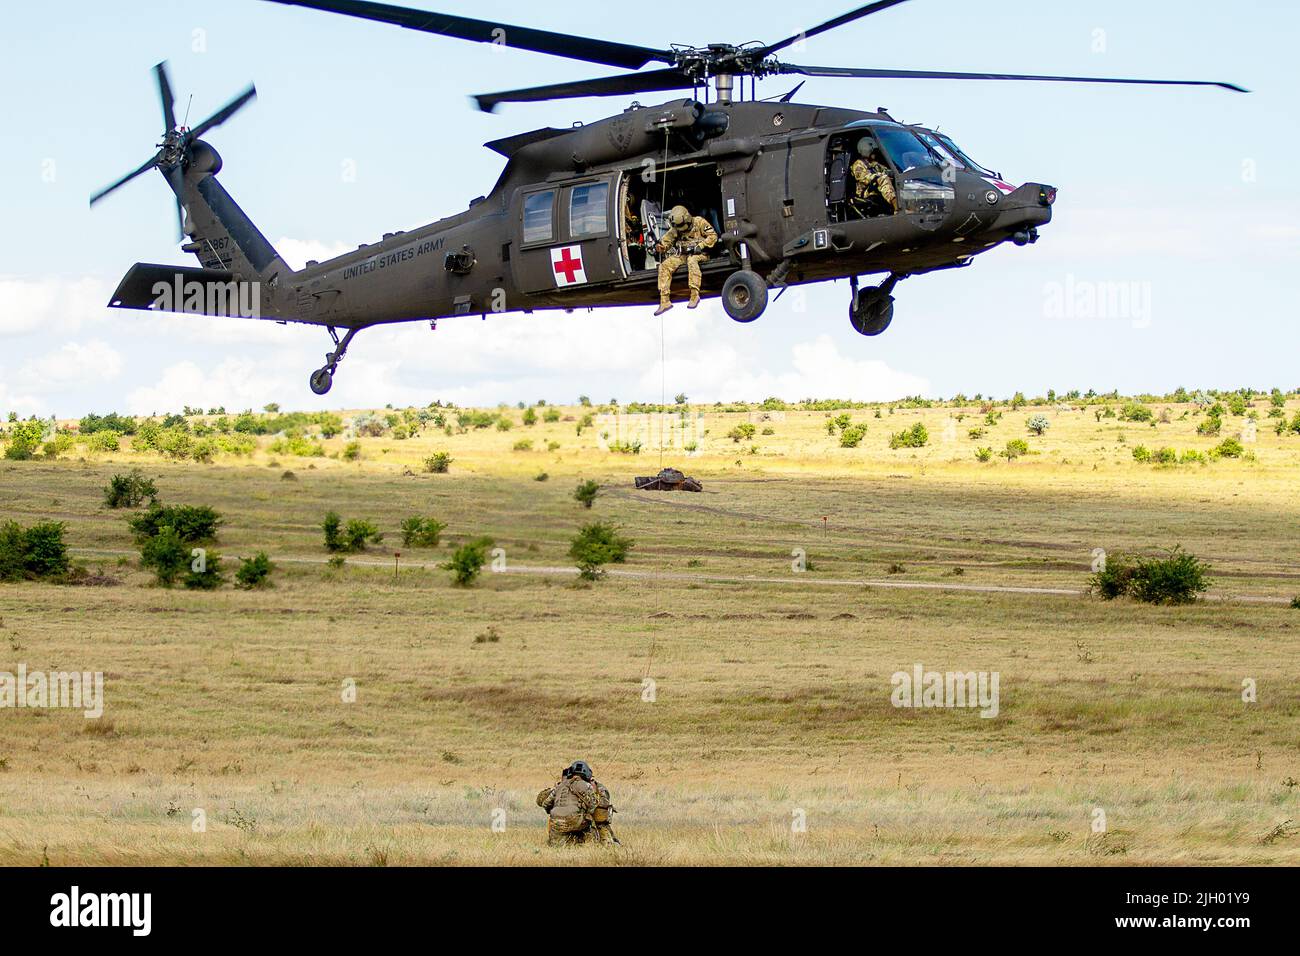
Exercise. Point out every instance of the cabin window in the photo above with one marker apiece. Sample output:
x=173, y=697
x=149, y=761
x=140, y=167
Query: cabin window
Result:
x=588, y=210
x=539, y=216
x=904, y=148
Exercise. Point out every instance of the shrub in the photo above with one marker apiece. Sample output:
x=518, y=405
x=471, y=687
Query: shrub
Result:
x=852, y=436
x=1136, y=412
x=1038, y=424
x=438, y=464
x=359, y=533
x=352, y=451
x=1174, y=579
x=166, y=554
x=467, y=561
x=586, y=492
x=333, y=526
x=192, y=523
x=1165, y=456
x=1230, y=448
x=1142, y=453
x=524, y=444
x=595, y=545
x=254, y=572
x=130, y=490
x=742, y=432
x=914, y=437
x=530, y=416
x=105, y=440
x=204, y=574
x=122, y=424
x=1211, y=426
x=983, y=454
x=1295, y=602
x=1015, y=449
x=975, y=434
x=24, y=439
x=421, y=532
x=34, y=552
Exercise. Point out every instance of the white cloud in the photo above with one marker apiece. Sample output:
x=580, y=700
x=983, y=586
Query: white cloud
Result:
x=51, y=304
x=75, y=364
x=235, y=383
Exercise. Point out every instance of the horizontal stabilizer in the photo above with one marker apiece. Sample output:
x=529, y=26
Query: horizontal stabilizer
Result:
x=187, y=289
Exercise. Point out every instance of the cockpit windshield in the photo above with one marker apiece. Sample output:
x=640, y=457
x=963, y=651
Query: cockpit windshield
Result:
x=947, y=143
x=905, y=148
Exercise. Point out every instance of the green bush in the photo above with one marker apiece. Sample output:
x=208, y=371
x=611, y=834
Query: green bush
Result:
x=209, y=578
x=129, y=490
x=37, y=551
x=359, y=533
x=595, y=545
x=467, y=561
x=1016, y=448
x=1165, y=456
x=587, y=492
x=1136, y=412
x=192, y=523
x=352, y=451
x=524, y=444
x=983, y=454
x=421, y=532
x=1142, y=453
x=852, y=436
x=105, y=440
x=742, y=432
x=254, y=572
x=333, y=526
x=1174, y=579
x=167, y=554
x=1230, y=448
x=24, y=439
x=914, y=437
x=438, y=464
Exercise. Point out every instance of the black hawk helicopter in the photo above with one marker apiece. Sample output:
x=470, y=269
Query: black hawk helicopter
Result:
x=574, y=219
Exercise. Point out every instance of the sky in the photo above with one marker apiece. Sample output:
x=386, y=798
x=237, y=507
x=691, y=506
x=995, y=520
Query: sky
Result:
x=1173, y=258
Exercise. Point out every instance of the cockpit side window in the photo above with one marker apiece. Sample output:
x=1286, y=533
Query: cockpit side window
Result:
x=905, y=148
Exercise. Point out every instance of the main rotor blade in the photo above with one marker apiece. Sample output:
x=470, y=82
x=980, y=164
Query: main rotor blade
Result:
x=651, y=81
x=165, y=94
x=858, y=14
x=568, y=45
x=849, y=71
x=126, y=179
x=223, y=114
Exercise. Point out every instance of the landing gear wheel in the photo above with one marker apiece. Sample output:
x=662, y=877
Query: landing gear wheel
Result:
x=744, y=295
x=871, y=312
x=322, y=380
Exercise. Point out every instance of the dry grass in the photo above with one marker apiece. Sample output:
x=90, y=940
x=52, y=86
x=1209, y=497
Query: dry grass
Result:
x=773, y=696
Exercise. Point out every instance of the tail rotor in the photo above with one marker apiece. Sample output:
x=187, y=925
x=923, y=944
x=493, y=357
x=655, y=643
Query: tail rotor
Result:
x=175, y=150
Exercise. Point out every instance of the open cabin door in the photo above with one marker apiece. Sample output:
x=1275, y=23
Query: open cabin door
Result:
x=568, y=235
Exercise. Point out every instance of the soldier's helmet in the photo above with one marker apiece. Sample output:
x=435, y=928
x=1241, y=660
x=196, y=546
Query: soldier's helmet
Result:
x=866, y=146
x=579, y=768
x=680, y=217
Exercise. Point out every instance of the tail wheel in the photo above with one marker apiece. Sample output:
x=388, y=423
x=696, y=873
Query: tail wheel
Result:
x=322, y=380
x=744, y=295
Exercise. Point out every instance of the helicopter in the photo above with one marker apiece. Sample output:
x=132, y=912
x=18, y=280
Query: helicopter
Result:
x=575, y=218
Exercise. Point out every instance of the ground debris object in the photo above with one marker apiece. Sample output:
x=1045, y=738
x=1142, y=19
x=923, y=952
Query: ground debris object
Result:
x=670, y=479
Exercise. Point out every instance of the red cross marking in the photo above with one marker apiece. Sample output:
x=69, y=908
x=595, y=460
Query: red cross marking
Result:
x=568, y=265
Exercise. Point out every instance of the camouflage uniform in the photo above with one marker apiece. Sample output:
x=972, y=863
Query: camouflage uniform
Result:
x=873, y=179
x=679, y=243
x=600, y=817
x=570, y=805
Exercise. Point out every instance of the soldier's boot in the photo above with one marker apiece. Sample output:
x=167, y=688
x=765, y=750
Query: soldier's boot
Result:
x=665, y=304
x=695, y=299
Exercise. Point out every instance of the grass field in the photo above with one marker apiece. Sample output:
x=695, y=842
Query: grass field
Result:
x=771, y=737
